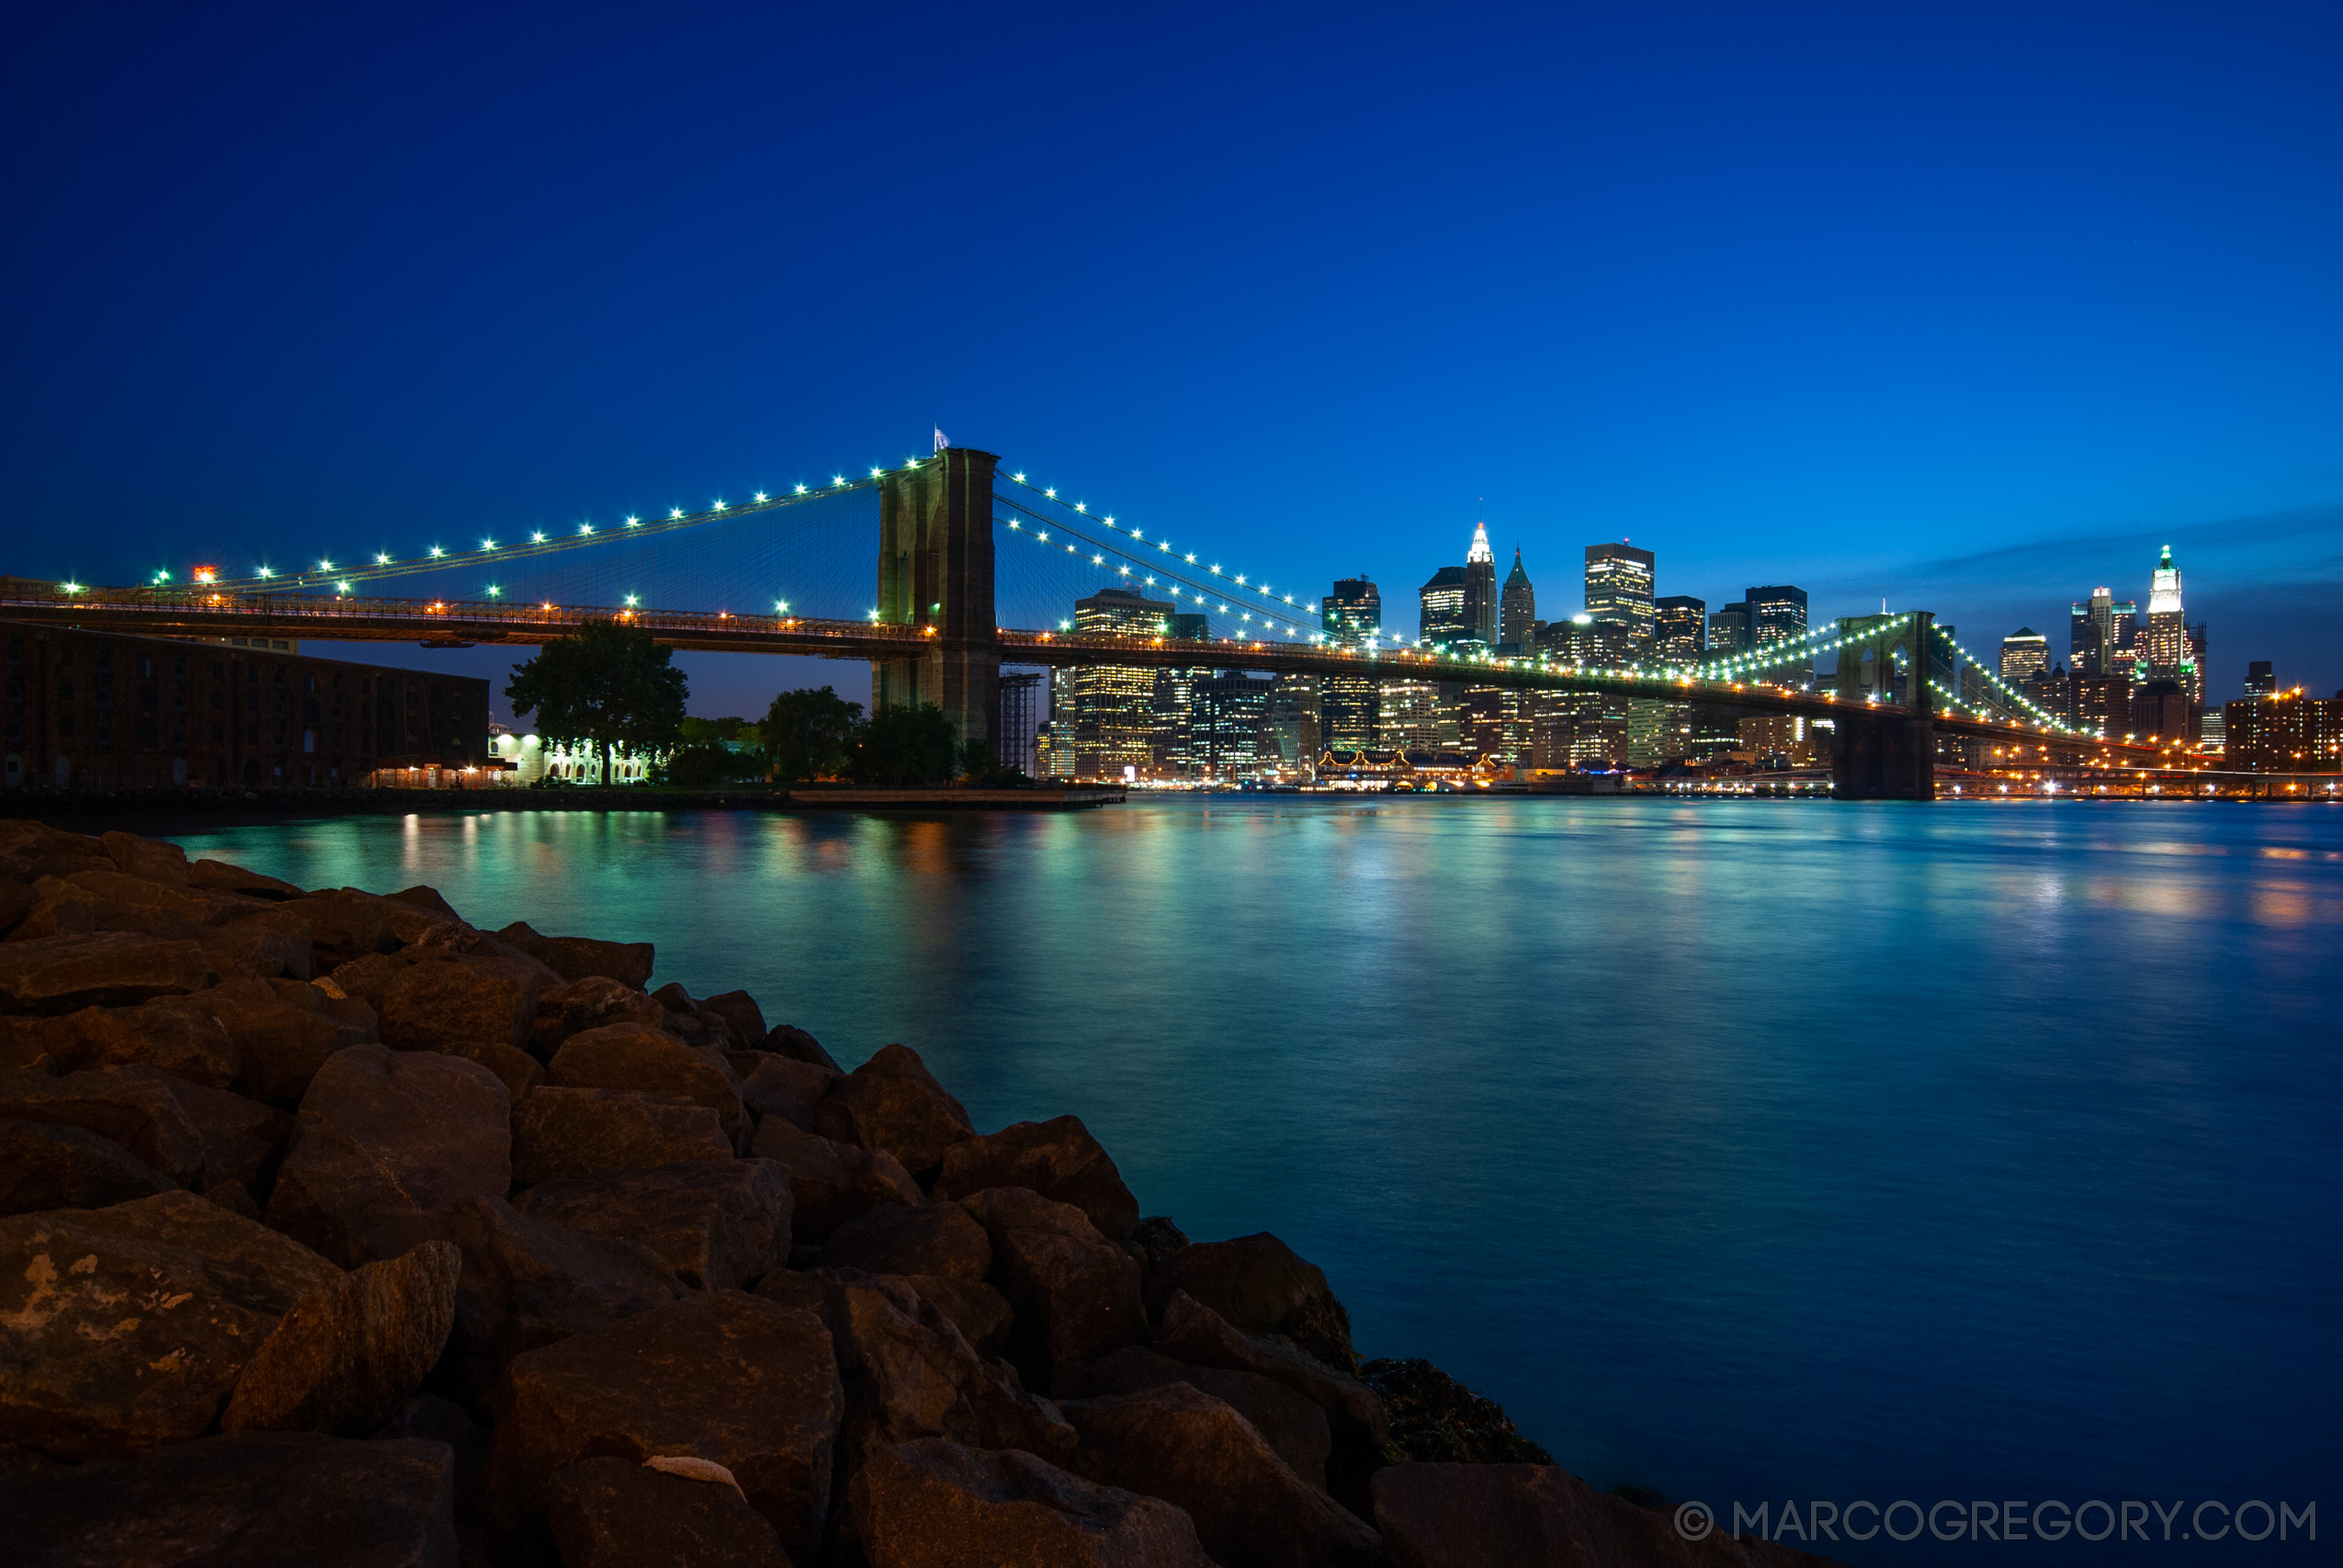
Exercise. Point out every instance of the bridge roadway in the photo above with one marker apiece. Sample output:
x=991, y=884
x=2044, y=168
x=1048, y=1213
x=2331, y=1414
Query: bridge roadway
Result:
x=448, y=623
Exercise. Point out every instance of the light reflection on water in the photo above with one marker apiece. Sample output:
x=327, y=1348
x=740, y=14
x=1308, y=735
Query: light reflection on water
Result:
x=1741, y=1149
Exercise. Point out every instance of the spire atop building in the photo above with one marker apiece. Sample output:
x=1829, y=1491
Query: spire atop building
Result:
x=2164, y=587
x=1480, y=550
x=1518, y=574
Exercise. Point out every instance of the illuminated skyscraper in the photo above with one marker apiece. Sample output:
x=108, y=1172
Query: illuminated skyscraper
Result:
x=2167, y=648
x=2100, y=640
x=1728, y=631
x=1619, y=583
x=1351, y=615
x=2025, y=654
x=1517, y=606
x=1678, y=630
x=1480, y=587
x=1440, y=605
x=1777, y=614
x=1113, y=705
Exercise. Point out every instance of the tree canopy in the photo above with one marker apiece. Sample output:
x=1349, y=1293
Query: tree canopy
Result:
x=810, y=732
x=904, y=747
x=607, y=684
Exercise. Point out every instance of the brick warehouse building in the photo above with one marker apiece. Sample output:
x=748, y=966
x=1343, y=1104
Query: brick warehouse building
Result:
x=109, y=711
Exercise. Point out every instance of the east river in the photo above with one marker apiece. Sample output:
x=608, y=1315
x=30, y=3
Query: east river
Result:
x=1746, y=1151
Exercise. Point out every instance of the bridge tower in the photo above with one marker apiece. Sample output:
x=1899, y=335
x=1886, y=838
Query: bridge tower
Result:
x=1893, y=756
x=936, y=569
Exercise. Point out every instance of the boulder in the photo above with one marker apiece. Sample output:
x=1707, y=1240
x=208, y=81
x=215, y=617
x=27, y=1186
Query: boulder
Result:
x=1250, y=1509
x=191, y=906
x=253, y=1499
x=1076, y=1293
x=427, y=899
x=53, y=1166
x=136, y=1107
x=892, y=1102
x=370, y=976
x=61, y=974
x=479, y=1011
x=577, y=957
x=981, y=1313
x=788, y=1040
x=782, y=1087
x=1462, y=1515
x=174, y=1033
x=616, y=1513
x=1434, y=1417
x=16, y=901
x=241, y=1136
x=155, y=859
x=738, y=1009
x=595, y=1002
x=560, y=1132
x=262, y=947
x=1291, y=1425
x=632, y=1057
x=910, y=1373
x=1258, y=1283
x=219, y=876
x=1156, y=1238
x=283, y=1031
x=70, y=913
x=1057, y=1158
x=405, y=923
x=933, y=1503
x=720, y=1225
x=433, y=1419
x=234, y=1197
x=125, y=1329
x=830, y=1183
x=339, y=929
x=933, y=1238
x=348, y=1355
x=729, y=1378
x=383, y=1131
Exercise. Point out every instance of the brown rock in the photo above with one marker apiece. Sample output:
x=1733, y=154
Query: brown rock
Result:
x=933, y=1504
x=234, y=1197
x=240, y=1136
x=630, y=1057
x=720, y=1225
x=981, y=1313
x=53, y=1166
x=60, y=973
x=1462, y=1515
x=595, y=1002
x=738, y=1009
x=405, y=922
x=284, y=1031
x=370, y=976
x=173, y=1034
x=341, y=929
x=830, y=1183
x=910, y=1373
x=892, y=1102
x=346, y=1357
x=1258, y=1283
x=1076, y=1293
x=1435, y=1417
x=933, y=1238
x=1057, y=1158
x=782, y=1087
x=264, y=948
x=1155, y=1239
x=219, y=876
x=388, y=1130
x=616, y=1513
x=16, y=901
x=156, y=860
x=560, y=1132
x=1250, y=1509
x=194, y=905
x=458, y=1007
x=577, y=957
x=1291, y=1424
x=790, y=1041
x=71, y=913
x=427, y=899
x=124, y=1328
x=729, y=1378
x=253, y=1499
x=135, y=1107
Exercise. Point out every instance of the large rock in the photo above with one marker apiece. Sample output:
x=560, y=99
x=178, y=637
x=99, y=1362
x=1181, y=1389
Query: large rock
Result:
x=790, y=1041
x=910, y=1373
x=617, y=1513
x=1250, y=1509
x=830, y=1183
x=388, y=1130
x=240, y=1136
x=933, y=1503
x=595, y=1002
x=578, y=958
x=125, y=1329
x=1463, y=1516
x=52, y=1166
x=16, y=901
x=156, y=860
x=1190, y=1331
x=60, y=973
x=346, y=1357
x=1076, y=1293
x=738, y=1009
x=221, y=876
x=284, y=1031
x=253, y=1500
x=1292, y=1423
x=179, y=1129
x=630, y=1057
x=933, y=1238
x=720, y=1225
x=1258, y=1283
x=893, y=1102
x=193, y=906
x=785, y=1086
x=594, y=1132
x=178, y=1034
x=981, y=1313
x=342, y=929
x=1435, y=1417
x=729, y=1378
x=479, y=1011
x=1057, y=1158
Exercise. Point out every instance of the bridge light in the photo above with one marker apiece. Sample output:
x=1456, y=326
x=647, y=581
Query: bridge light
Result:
x=1041, y=534
x=876, y=472
x=584, y=529
x=264, y=571
x=801, y=489
x=71, y=587
x=494, y=592
x=634, y=522
x=1063, y=624
x=837, y=479
x=381, y=560
x=675, y=511
x=760, y=495
x=1050, y=493
x=437, y=552
x=1081, y=507
x=341, y=588
x=719, y=507
x=488, y=543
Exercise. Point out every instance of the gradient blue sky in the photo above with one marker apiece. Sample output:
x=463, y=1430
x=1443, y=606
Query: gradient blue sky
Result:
x=1969, y=305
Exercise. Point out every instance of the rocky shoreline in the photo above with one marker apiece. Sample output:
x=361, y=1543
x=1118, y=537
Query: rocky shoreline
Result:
x=336, y=1230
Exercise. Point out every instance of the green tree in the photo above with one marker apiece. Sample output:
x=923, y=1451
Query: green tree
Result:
x=810, y=732
x=906, y=747
x=607, y=684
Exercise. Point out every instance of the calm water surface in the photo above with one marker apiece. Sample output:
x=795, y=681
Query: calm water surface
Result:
x=1748, y=1151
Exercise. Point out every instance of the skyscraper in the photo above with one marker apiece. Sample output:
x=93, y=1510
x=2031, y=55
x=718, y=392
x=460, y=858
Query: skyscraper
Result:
x=1777, y=614
x=1350, y=615
x=2168, y=649
x=2025, y=653
x=1678, y=630
x=1233, y=711
x=1440, y=605
x=1113, y=709
x=2100, y=640
x=1728, y=631
x=1619, y=583
x=1517, y=606
x=1480, y=587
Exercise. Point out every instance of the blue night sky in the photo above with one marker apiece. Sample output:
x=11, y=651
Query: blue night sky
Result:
x=1972, y=307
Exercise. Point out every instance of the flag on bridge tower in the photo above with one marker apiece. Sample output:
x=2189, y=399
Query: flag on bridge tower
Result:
x=940, y=442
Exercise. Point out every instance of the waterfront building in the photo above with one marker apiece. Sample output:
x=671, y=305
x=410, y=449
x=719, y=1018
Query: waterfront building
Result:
x=1493, y=724
x=1412, y=716
x=2283, y=732
x=112, y=711
x=1113, y=706
x=1678, y=630
x=1351, y=616
x=1517, y=608
x=1778, y=614
x=1480, y=589
x=1728, y=631
x=2025, y=654
x=1619, y=588
x=1440, y=608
